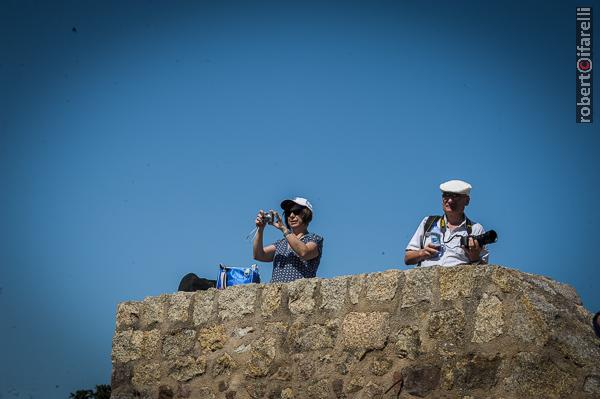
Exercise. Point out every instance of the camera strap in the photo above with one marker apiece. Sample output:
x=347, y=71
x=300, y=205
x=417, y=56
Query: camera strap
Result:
x=252, y=234
x=429, y=223
x=432, y=220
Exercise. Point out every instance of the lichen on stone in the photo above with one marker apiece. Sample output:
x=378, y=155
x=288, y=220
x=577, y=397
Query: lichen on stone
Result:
x=212, y=338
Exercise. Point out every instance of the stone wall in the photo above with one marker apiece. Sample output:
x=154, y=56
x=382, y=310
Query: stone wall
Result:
x=464, y=332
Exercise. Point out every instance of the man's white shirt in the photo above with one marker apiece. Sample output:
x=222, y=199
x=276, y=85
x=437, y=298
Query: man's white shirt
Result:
x=453, y=253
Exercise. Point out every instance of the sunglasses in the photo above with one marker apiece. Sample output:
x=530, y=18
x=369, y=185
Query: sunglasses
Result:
x=452, y=195
x=296, y=210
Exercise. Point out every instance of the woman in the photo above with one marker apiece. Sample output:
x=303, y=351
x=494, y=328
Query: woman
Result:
x=298, y=253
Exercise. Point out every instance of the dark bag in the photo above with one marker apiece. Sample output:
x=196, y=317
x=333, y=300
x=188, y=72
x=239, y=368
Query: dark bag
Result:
x=190, y=283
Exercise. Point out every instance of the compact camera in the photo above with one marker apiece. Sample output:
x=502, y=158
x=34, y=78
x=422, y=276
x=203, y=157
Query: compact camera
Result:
x=489, y=237
x=269, y=217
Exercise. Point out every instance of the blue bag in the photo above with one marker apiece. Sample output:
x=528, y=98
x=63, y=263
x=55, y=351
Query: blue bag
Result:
x=230, y=276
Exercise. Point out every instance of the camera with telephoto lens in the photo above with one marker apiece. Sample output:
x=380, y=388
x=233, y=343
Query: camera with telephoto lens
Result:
x=269, y=217
x=489, y=237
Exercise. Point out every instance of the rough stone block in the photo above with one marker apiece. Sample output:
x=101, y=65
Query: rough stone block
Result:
x=408, y=343
x=223, y=386
x=120, y=377
x=554, y=288
x=461, y=281
x=418, y=286
x=569, y=293
x=301, y=296
x=212, y=338
x=544, y=309
x=128, y=315
x=242, y=332
x=338, y=388
x=145, y=375
x=132, y=345
x=382, y=286
x=183, y=391
x=355, y=384
x=271, y=299
x=283, y=373
x=256, y=390
x=223, y=364
x=333, y=293
x=205, y=393
x=421, y=380
x=380, y=366
x=348, y=360
x=152, y=311
x=526, y=322
x=237, y=301
x=277, y=328
x=507, y=280
x=537, y=376
x=489, y=319
x=365, y=330
x=305, y=366
x=373, y=390
x=165, y=392
x=539, y=281
x=475, y=371
x=592, y=384
x=262, y=354
x=178, y=344
x=308, y=338
x=186, y=368
x=580, y=346
x=203, y=307
x=448, y=328
x=179, y=305
x=319, y=389
x=356, y=287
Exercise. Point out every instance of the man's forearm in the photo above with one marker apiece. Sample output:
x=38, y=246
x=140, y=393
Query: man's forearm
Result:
x=412, y=257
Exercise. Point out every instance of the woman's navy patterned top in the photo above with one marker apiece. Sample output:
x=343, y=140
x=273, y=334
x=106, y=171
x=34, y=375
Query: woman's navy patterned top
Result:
x=287, y=266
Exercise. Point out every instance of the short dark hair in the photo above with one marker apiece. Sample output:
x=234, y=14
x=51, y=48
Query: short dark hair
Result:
x=306, y=216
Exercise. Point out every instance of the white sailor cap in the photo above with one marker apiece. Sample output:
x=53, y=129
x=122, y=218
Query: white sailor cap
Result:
x=456, y=186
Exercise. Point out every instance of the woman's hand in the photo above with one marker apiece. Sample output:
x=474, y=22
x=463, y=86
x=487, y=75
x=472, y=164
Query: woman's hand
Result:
x=260, y=253
x=260, y=220
x=278, y=223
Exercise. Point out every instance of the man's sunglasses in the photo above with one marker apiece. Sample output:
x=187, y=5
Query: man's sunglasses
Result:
x=452, y=195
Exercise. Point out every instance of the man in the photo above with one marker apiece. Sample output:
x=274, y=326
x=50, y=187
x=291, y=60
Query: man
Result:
x=437, y=239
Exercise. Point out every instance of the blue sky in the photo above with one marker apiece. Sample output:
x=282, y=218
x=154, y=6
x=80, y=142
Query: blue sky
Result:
x=139, y=148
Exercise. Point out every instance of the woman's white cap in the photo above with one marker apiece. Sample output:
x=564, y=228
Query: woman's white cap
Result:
x=456, y=186
x=288, y=203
